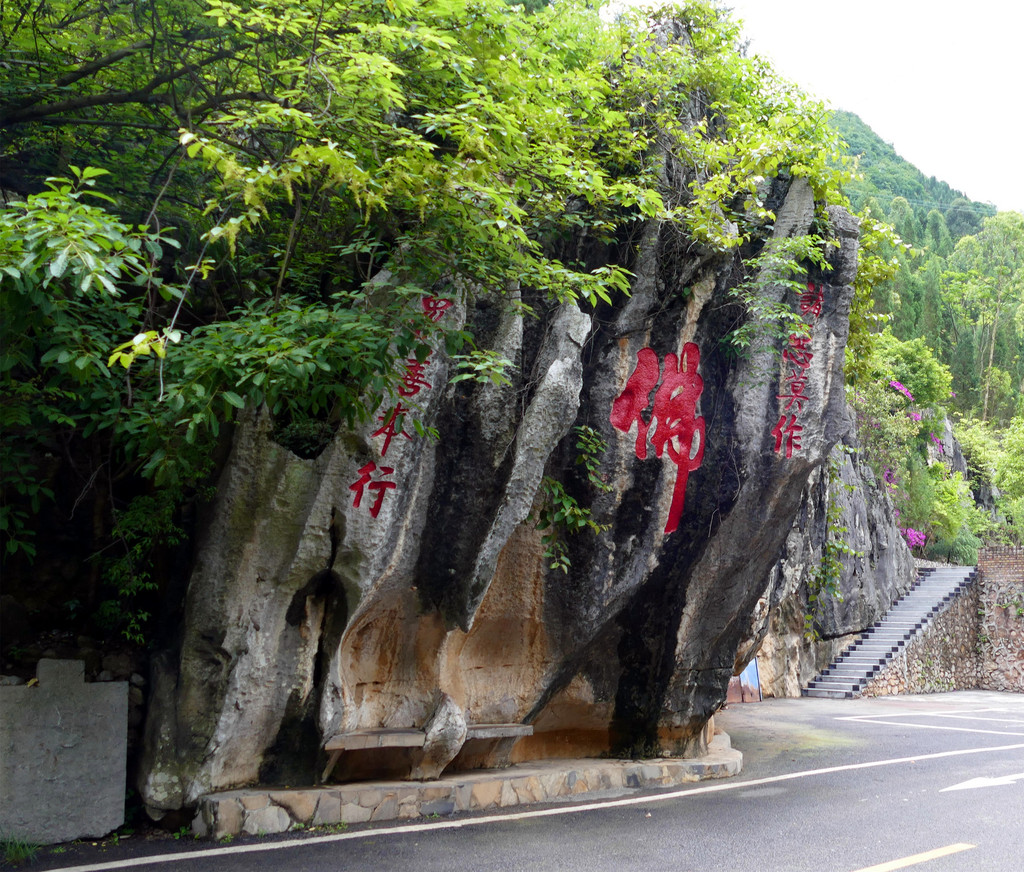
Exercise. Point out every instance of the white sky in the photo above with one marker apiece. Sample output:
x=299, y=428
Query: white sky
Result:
x=940, y=81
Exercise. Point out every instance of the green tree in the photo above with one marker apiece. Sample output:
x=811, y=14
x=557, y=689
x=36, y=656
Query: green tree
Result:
x=986, y=289
x=904, y=219
x=914, y=365
x=905, y=301
x=1010, y=473
x=936, y=234
x=963, y=218
x=932, y=323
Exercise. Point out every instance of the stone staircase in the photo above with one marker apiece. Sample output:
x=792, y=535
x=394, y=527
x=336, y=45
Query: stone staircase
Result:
x=850, y=672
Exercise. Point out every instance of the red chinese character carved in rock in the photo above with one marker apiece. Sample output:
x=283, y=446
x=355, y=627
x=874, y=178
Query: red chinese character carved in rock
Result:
x=435, y=307
x=366, y=482
x=812, y=299
x=788, y=431
x=413, y=381
x=798, y=352
x=797, y=384
x=678, y=430
x=799, y=355
x=388, y=430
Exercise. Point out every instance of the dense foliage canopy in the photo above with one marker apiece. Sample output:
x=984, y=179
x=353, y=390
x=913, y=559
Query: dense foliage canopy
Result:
x=214, y=205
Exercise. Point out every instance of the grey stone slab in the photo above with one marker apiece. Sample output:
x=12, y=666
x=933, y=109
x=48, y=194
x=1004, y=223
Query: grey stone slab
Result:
x=361, y=739
x=62, y=755
x=266, y=821
x=498, y=731
x=439, y=807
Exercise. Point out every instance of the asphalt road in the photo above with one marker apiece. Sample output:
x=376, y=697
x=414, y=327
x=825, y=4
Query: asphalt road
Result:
x=932, y=783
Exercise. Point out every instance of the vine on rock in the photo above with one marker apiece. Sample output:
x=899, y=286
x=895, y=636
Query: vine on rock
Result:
x=561, y=513
x=824, y=583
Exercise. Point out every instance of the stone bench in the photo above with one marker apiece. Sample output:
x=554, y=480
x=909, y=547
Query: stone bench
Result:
x=498, y=731
x=489, y=746
x=486, y=745
x=360, y=740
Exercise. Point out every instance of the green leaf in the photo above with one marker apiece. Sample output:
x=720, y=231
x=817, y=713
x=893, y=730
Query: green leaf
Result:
x=58, y=266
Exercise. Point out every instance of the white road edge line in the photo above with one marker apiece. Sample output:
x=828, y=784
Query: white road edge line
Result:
x=986, y=720
x=940, y=727
x=500, y=818
x=908, y=713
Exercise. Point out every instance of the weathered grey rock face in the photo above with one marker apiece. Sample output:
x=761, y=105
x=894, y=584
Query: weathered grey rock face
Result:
x=879, y=571
x=945, y=448
x=343, y=592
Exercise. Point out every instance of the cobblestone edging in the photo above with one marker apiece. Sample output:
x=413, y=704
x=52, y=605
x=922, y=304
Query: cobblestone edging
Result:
x=259, y=811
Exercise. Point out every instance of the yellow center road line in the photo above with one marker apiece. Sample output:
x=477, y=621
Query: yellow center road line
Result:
x=918, y=858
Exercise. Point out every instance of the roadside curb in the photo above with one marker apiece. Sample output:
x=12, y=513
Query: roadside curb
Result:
x=263, y=811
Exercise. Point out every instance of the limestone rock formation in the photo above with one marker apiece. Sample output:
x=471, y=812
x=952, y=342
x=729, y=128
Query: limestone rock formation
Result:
x=445, y=731
x=880, y=569
x=339, y=593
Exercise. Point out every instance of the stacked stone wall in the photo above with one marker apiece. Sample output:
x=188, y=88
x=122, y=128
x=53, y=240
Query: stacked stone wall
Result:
x=977, y=643
x=1001, y=613
x=944, y=657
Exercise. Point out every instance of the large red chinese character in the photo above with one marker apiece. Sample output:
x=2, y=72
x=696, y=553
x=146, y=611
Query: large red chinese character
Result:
x=798, y=352
x=389, y=431
x=789, y=431
x=812, y=299
x=678, y=429
x=413, y=380
x=366, y=482
x=628, y=407
x=797, y=384
x=435, y=307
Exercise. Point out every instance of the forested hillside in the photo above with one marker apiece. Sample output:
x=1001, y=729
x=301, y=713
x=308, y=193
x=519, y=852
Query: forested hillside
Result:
x=949, y=331
x=887, y=176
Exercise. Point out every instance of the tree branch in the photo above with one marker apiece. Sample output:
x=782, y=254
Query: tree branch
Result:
x=144, y=95
x=98, y=64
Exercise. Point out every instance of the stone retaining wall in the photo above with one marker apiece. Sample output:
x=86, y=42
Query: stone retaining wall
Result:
x=976, y=644
x=1001, y=608
x=944, y=657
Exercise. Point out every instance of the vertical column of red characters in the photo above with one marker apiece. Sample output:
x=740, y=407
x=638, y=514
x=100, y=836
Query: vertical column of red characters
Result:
x=374, y=478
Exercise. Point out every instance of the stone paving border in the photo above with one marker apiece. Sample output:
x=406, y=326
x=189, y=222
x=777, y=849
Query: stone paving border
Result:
x=262, y=811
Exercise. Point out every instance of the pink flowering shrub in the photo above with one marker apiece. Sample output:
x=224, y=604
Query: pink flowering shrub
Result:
x=898, y=386
x=915, y=538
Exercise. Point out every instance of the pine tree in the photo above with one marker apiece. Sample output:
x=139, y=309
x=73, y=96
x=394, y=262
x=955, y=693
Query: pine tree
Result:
x=937, y=236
